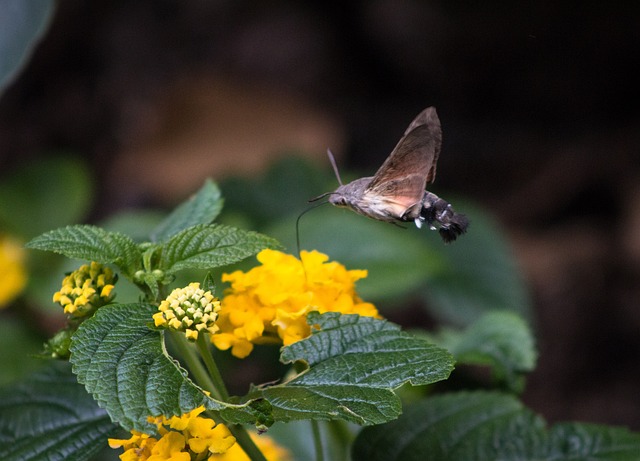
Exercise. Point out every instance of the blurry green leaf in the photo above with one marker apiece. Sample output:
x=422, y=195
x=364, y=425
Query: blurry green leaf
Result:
x=137, y=224
x=487, y=426
x=282, y=191
x=202, y=208
x=92, y=244
x=49, y=416
x=22, y=23
x=213, y=245
x=355, y=363
x=297, y=437
x=500, y=339
x=586, y=442
x=479, y=274
x=397, y=260
x=126, y=368
x=44, y=195
x=15, y=336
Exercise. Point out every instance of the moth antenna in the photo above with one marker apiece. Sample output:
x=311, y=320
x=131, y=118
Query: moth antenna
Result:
x=332, y=159
x=298, y=223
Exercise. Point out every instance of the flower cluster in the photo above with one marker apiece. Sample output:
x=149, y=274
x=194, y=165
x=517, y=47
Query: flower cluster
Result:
x=182, y=438
x=86, y=289
x=13, y=276
x=190, y=310
x=270, y=302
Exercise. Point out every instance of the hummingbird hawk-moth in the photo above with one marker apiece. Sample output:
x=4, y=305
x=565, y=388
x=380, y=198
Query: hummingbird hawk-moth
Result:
x=396, y=193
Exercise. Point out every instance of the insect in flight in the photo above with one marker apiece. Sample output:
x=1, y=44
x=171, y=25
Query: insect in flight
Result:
x=396, y=193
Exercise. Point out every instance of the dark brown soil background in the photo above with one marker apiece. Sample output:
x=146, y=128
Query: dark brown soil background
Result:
x=538, y=100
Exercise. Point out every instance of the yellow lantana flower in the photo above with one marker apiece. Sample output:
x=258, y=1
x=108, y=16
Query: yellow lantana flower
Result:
x=13, y=275
x=269, y=303
x=182, y=438
x=190, y=310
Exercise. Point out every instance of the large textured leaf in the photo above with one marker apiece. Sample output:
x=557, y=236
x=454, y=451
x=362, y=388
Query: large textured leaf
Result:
x=202, y=208
x=487, y=426
x=49, y=416
x=126, y=368
x=22, y=22
x=93, y=244
x=355, y=363
x=210, y=246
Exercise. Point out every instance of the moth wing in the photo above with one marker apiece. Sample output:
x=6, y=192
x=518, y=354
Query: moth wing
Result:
x=403, y=177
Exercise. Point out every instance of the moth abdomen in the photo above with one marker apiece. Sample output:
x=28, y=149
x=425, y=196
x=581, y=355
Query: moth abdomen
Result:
x=439, y=214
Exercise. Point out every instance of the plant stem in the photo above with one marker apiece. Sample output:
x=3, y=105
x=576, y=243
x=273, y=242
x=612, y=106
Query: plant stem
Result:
x=211, y=380
x=244, y=440
x=317, y=440
x=192, y=360
x=214, y=373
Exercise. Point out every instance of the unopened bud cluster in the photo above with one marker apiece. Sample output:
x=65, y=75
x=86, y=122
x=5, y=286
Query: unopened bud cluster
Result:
x=190, y=310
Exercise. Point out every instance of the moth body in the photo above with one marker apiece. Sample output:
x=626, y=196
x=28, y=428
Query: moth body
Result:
x=396, y=193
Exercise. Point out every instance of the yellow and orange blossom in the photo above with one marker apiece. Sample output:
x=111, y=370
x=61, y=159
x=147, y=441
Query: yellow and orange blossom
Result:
x=269, y=303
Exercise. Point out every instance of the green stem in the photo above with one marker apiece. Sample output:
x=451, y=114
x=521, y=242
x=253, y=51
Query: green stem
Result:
x=212, y=368
x=317, y=440
x=194, y=363
x=211, y=380
x=244, y=440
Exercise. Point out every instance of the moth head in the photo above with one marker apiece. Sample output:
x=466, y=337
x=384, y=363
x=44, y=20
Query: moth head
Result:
x=338, y=199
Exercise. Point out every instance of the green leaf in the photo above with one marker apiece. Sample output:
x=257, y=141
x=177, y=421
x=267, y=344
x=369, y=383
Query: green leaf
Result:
x=126, y=368
x=500, y=339
x=269, y=197
x=16, y=335
x=355, y=363
x=92, y=244
x=487, y=426
x=45, y=194
x=479, y=274
x=202, y=208
x=22, y=23
x=49, y=416
x=136, y=223
x=576, y=441
x=210, y=246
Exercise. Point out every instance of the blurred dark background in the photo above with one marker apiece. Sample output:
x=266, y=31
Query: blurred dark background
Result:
x=538, y=102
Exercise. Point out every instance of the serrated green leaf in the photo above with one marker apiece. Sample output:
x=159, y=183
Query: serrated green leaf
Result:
x=350, y=349
x=202, y=208
x=358, y=404
x=210, y=246
x=49, y=416
x=92, y=244
x=487, y=426
x=355, y=363
x=500, y=339
x=126, y=368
